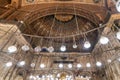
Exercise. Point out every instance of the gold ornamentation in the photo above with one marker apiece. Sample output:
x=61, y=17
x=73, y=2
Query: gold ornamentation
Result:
x=64, y=17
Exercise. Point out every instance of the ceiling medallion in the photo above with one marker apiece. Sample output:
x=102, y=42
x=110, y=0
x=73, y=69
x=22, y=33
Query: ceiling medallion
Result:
x=30, y=1
x=64, y=17
x=96, y=1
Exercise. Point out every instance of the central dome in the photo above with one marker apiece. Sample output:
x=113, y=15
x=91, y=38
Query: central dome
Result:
x=60, y=25
x=62, y=28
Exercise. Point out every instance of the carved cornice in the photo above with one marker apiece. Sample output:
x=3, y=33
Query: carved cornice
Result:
x=30, y=13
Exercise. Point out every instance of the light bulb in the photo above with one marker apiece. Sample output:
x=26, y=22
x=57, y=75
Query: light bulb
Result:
x=69, y=65
x=25, y=48
x=60, y=65
x=88, y=65
x=63, y=48
x=87, y=44
x=118, y=5
x=74, y=46
x=99, y=64
x=21, y=63
x=118, y=35
x=42, y=66
x=50, y=49
x=37, y=49
x=12, y=49
x=9, y=64
x=104, y=40
x=79, y=65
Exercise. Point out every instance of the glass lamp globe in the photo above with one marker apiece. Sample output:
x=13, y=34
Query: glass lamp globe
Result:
x=42, y=66
x=98, y=64
x=67, y=76
x=32, y=65
x=58, y=75
x=60, y=65
x=63, y=48
x=104, y=40
x=9, y=64
x=109, y=60
x=22, y=22
x=51, y=49
x=118, y=5
x=74, y=46
x=69, y=65
x=21, y=63
x=25, y=48
x=118, y=35
x=12, y=49
x=37, y=49
x=88, y=65
x=52, y=79
x=48, y=75
x=43, y=76
x=81, y=77
x=79, y=65
x=38, y=77
x=119, y=59
x=87, y=44
x=32, y=77
x=56, y=79
x=51, y=76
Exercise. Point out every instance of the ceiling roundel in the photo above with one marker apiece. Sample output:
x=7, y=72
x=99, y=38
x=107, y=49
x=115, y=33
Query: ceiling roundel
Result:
x=30, y=1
